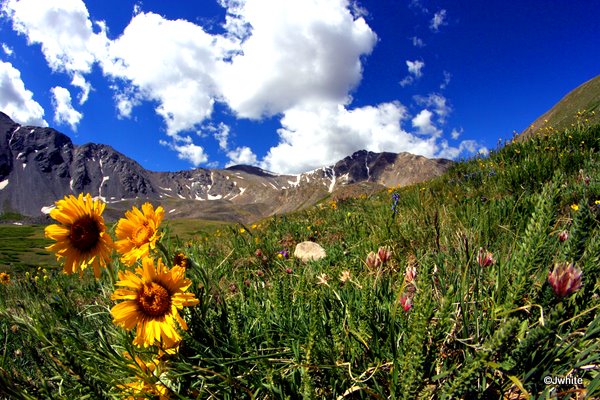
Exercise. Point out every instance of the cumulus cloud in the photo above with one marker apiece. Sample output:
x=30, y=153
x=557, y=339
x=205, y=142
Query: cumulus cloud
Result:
x=187, y=151
x=319, y=135
x=298, y=60
x=292, y=53
x=65, y=33
x=241, y=155
x=170, y=62
x=439, y=19
x=424, y=123
x=438, y=103
x=314, y=136
x=15, y=100
x=64, y=113
x=414, y=72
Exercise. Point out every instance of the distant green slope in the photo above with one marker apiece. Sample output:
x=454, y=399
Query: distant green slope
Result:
x=584, y=100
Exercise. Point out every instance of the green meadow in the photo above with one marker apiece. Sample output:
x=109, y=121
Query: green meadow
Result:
x=22, y=248
x=434, y=321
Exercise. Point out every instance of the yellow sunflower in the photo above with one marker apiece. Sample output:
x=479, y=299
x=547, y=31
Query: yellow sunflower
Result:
x=152, y=297
x=4, y=278
x=81, y=238
x=137, y=233
x=148, y=380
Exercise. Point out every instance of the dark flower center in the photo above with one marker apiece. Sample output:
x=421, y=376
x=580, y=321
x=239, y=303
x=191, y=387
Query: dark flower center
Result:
x=85, y=233
x=154, y=300
x=180, y=259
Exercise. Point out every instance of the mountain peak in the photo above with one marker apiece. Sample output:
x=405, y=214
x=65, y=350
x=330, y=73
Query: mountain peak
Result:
x=251, y=169
x=5, y=119
x=41, y=165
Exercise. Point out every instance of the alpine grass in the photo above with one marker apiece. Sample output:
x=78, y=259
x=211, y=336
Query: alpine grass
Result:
x=462, y=308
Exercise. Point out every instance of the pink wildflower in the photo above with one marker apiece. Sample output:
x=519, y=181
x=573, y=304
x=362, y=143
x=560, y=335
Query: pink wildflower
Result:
x=564, y=279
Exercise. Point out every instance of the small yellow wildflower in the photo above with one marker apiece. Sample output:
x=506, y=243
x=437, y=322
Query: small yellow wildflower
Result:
x=575, y=207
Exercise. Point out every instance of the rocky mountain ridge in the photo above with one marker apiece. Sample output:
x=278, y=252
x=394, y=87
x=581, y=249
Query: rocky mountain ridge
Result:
x=40, y=165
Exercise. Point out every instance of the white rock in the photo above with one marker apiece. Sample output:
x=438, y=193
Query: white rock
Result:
x=306, y=251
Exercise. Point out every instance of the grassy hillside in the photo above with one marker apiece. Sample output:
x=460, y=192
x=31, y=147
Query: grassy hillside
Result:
x=580, y=106
x=22, y=248
x=463, y=307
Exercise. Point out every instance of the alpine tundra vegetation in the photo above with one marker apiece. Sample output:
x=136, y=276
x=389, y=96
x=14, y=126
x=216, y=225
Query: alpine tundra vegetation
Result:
x=480, y=283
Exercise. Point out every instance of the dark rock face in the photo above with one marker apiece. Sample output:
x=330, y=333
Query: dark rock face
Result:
x=41, y=165
x=7, y=126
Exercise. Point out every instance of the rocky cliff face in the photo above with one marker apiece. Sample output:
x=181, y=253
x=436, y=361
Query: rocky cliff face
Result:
x=40, y=165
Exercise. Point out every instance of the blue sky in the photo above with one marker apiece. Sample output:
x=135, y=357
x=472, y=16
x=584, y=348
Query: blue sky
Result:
x=291, y=85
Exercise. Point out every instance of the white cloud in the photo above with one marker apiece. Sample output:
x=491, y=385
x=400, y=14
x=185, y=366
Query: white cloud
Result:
x=455, y=134
x=293, y=52
x=414, y=72
x=80, y=82
x=65, y=33
x=187, y=151
x=415, y=67
x=439, y=19
x=319, y=135
x=241, y=155
x=424, y=124
x=64, y=113
x=296, y=58
x=465, y=148
x=221, y=135
x=170, y=62
x=7, y=49
x=438, y=103
x=417, y=42
x=15, y=100
x=407, y=80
